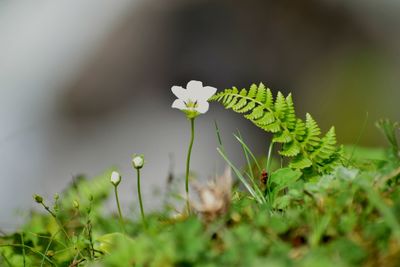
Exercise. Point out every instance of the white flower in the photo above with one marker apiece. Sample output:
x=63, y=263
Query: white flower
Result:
x=115, y=178
x=138, y=161
x=193, y=99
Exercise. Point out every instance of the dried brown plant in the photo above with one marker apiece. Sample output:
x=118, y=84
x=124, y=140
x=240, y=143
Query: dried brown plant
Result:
x=214, y=197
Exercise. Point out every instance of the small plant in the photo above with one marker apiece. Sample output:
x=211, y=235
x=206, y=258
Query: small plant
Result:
x=300, y=140
x=193, y=102
x=115, y=180
x=138, y=162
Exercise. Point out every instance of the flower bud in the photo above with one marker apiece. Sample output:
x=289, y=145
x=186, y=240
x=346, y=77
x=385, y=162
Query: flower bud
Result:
x=115, y=178
x=75, y=204
x=138, y=161
x=50, y=253
x=38, y=199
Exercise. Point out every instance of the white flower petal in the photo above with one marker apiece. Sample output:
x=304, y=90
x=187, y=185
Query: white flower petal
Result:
x=202, y=106
x=209, y=91
x=201, y=93
x=180, y=92
x=194, y=86
x=138, y=161
x=115, y=178
x=179, y=104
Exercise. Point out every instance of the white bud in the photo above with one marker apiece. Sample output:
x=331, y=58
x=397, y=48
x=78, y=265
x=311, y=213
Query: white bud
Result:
x=138, y=161
x=115, y=178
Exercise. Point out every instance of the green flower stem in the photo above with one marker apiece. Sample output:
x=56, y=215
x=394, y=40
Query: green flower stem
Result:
x=140, y=197
x=188, y=164
x=121, y=219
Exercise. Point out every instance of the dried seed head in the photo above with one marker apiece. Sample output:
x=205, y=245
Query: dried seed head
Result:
x=215, y=197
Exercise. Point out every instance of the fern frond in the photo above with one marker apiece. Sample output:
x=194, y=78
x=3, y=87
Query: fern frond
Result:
x=301, y=141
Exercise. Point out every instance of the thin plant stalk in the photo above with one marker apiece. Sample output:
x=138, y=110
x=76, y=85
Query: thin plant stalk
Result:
x=269, y=157
x=256, y=196
x=48, y=246
x=61, y=227
x=218, y=136
x=247, y=152
x=188, y=164
x=30, y=248
x=89, y=232
x=57, y=221
x=23, y=249
x=6, y=260
x=121, y=219
x=140, y=197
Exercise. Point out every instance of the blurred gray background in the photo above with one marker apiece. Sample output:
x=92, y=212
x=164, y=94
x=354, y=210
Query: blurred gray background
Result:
x=85, y=84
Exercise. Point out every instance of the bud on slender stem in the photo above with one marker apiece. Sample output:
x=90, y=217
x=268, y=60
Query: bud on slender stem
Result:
x=138, y=162
x=116, y=180
x=38, y=199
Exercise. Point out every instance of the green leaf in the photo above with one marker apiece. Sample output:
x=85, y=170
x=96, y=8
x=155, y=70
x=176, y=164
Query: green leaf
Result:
x=284, y=177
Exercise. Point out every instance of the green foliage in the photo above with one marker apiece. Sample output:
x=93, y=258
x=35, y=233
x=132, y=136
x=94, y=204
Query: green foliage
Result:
x=332, y=222
x=347, y=217
x=301, y=141
x=350, y=217
x=65, y=235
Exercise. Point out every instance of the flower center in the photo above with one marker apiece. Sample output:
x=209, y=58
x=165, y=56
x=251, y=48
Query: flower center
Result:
x=190, y=104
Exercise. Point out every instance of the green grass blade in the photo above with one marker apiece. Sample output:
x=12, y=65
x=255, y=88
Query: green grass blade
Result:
x=256, y=187
x=247, y=150
x=240, y=176
x=218, y=134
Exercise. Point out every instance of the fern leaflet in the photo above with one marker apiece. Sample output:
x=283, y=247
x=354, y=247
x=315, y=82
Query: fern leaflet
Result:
x=301, y=141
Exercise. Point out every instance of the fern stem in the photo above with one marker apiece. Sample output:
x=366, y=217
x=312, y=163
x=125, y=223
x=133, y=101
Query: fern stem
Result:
x=188, y=164
x=140, y=197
